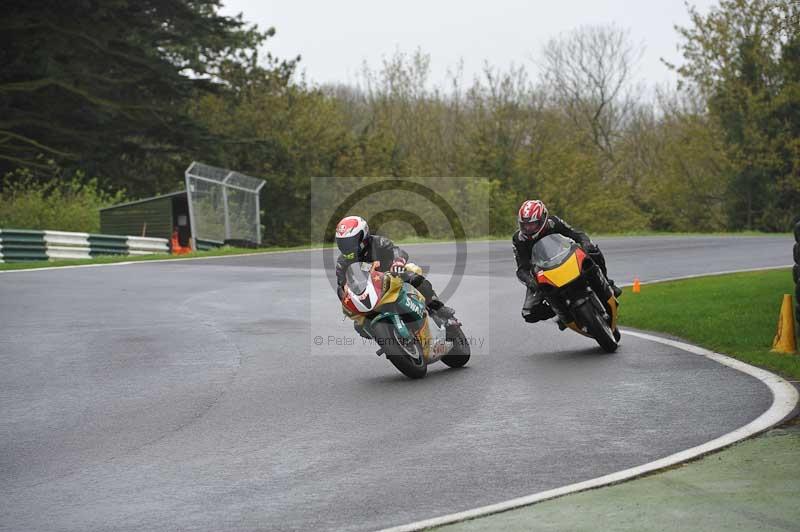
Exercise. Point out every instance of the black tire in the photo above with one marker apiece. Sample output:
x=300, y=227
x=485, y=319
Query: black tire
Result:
x=796, y=253
x=796, y=273
x=600, y=330
x=797, y=232
x=797, y=301
x=397, y=351
x=459, y=354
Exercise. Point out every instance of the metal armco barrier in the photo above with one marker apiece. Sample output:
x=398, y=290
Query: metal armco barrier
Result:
x=108, y=245
x=138, y=245
x=17, y=245
x=62, y=245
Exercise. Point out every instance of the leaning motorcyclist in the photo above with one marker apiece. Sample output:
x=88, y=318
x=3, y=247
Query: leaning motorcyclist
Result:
x=535, y=223
x=356, y=244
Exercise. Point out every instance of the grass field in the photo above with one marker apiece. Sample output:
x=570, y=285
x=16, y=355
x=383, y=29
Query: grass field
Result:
x=733, y=314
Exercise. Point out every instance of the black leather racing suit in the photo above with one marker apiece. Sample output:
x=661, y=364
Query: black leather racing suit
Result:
x=379, y=248
x=534, y=308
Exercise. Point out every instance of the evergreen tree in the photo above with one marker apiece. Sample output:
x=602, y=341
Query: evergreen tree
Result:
x=104, y=85
x=743, y=56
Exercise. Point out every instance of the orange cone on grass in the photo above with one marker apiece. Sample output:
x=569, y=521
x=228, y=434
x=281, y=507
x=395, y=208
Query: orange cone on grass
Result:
x=637, y=287
x=785, y=340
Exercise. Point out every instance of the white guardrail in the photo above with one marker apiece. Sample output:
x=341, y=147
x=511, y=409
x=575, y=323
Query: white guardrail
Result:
x=139, y=245
x=26, y=245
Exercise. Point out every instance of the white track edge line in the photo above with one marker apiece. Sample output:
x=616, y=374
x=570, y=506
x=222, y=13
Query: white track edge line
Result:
x=784, y=399
x=178, y=259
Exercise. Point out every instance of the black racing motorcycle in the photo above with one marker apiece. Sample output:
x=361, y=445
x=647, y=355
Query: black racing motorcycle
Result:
x=576, y=289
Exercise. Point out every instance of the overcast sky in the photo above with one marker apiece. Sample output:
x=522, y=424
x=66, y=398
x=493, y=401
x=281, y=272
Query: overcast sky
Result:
x=334, y=37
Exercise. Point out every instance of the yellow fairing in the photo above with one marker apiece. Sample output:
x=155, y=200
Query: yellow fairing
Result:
x=391, y=291
x=564, y=274
x=424, y=335
x=612, y=304
x=574, y=326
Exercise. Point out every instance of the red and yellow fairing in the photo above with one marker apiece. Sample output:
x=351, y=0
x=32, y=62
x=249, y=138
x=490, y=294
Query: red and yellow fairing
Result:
x=564, y=274
x=390, y=286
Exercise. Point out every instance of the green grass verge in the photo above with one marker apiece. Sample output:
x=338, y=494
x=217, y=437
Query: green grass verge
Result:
x=735, y=314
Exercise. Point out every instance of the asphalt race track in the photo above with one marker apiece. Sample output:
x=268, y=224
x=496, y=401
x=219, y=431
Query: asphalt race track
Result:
x=191, y=395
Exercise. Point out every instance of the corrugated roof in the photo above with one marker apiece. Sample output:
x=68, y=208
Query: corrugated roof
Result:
x=171, y=194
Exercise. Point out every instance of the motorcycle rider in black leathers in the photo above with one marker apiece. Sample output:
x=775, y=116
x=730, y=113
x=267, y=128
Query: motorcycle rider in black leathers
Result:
x=356, y=244
x=534, y=224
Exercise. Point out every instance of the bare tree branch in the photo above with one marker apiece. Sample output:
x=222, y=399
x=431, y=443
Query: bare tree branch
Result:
x=589, y=73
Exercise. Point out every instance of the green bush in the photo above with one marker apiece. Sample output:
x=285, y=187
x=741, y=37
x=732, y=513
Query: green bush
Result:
x=57, y=204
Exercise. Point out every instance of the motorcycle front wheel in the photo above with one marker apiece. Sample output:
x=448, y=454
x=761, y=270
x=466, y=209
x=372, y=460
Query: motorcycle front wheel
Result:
x=597, y=327
x=404, y=353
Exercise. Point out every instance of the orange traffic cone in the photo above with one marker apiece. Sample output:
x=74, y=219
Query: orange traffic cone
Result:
x=637, y=287
x=175, y=245
x=785, y=340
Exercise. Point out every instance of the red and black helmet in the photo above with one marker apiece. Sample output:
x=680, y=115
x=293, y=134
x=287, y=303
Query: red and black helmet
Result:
x=532, y=218
x=352, y=233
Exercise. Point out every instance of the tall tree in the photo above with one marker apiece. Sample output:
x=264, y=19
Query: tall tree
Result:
x=105, y=84
x=743, y=57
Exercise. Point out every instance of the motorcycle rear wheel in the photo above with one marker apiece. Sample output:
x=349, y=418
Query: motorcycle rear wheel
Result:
x=597, y=327
x=459, y=354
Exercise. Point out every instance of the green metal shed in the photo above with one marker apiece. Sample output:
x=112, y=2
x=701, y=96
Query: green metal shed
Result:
x=218, y=206
x=153, y=217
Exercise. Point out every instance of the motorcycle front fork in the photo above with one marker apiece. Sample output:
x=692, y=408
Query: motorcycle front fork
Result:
x=599, y=283
x=596, y=281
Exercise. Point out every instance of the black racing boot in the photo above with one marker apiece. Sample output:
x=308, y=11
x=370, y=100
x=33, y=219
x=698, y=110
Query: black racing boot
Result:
x=614, y=288
x=441, y=310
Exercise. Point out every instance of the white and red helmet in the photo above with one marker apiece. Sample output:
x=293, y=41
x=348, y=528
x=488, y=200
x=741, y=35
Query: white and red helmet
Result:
x=532, y=218
x=352, y=233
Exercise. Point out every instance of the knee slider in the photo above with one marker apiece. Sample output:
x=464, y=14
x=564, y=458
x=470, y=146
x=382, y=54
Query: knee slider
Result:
x=530, y=318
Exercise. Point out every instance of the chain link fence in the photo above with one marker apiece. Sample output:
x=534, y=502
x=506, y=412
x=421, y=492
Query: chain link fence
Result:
x=223, y=204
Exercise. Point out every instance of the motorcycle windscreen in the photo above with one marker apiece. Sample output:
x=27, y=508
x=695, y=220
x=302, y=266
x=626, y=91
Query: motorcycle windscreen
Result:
x=358, y=277
x=551, y=251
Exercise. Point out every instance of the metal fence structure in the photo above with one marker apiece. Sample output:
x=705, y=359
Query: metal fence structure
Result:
x=223, y=204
